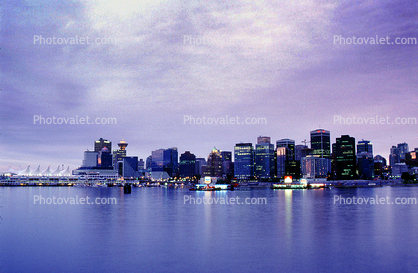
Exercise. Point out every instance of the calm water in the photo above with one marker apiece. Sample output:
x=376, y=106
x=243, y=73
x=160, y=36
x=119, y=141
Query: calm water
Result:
x=152, y=230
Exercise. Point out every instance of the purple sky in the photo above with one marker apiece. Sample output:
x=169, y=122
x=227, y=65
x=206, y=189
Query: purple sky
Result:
x=275, y=60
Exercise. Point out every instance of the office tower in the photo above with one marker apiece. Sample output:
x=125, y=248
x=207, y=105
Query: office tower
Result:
x=264, y=158
x=227, y=164
x=198, y=167
x=130, y=166
x=105, y=157
x=394, y=156
x=315, y=166
x=345, y=157
x=101, y=143
x=411, y=158
x=141, y=165
x=157, y=160
x=285, y=155
x=263, y=139
x=320, y=143
x=302, y=151
x=90, y=159
x=403, y=149
x=119, y=154
x=290, y=145
x=365, y=165
x=148, y=163
x=379, y=164
x=213, y=166
x=171, y=161
x=187, y=165
x=365, y=146
x=244, y=161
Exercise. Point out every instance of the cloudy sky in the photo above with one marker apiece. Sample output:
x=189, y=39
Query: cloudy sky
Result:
x=163, y=61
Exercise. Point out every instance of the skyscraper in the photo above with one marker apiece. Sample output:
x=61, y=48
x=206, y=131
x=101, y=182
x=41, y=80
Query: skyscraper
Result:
x=227, y=164
x=90, y=159
x=187, y=164
x=200, y=162
x=365, y=165
x=285, y=157
x=243, y=161
x=264, y=158
x=394, y=156
x=365, y=146
x=320, y=143
x=345, y=157
x=403, y=149
x=101, y=143
x=213, y=166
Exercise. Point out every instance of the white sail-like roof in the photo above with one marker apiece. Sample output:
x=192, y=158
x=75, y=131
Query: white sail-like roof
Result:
x=47, y=171
x=57, y=171
x=66, y=172
x=26, y=171
x=37, y=171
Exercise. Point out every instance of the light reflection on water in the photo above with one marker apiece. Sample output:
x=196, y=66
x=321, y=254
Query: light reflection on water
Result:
x=152, y=229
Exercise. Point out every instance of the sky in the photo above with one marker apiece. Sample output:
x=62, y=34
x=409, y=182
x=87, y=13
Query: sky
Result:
x=290, y=66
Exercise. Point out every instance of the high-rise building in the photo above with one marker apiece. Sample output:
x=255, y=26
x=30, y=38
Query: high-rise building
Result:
x=365, y=165
x=200, y=162
x=119, y=154
x=243, y=161
x=411, y=158
x=105, y=159
x=264, y=158
x=302, y=151
x=90, y=159
x=403, y=150
x=171, y=161
x=345, y=157
x=101, y=143
x=148, y=163
x=365, y=146
x=213, y=166
x=321, y=143
x=285, y=154
x=379, y=164
x=315, y=166
x=141, y=165
x=290, y=145
x=227, y=164
x=187, y=164
x=394, y=156
x=157, y=160
x=130, y=166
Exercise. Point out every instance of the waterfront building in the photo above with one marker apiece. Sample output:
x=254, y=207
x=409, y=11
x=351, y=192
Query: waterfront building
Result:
x=411, y=158
x=302, y=151
x=90, y=159
x=187, y=165
x=285, y=154
x=199, y=163
x=119, y=154
x=314, y=166
x=379, y=164
x=394, y=156
x=130, y=166
x=148, y=163
x=227, y=164
x=105, y=159
x=321, y=143
x=141, y=165
x=365, y=163
x=171, y=161
x=264, y=158
x=365, y=146
x=244, y=161
x=213, y=167
x=345, y=157
x=101, y=143
x=403, y=150
x=398, y=169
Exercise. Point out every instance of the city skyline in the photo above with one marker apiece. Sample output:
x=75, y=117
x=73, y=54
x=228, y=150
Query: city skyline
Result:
x=104, y=142
x=163, y=64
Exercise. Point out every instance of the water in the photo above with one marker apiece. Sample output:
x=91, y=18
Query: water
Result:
x=152, y=230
